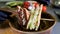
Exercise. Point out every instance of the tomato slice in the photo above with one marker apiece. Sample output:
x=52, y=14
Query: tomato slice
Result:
x=35, y=4
x=26, y=4
x=44, y=8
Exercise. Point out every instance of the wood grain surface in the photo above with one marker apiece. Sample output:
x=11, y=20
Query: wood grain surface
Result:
x=6, y=31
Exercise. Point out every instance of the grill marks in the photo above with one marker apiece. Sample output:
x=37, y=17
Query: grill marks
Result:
x=23, y=16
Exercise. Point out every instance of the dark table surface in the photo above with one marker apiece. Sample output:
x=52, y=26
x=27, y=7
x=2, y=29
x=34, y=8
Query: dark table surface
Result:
x=56, y=29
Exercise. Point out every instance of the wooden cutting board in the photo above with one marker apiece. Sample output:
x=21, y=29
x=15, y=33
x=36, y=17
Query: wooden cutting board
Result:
x=6, y=31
